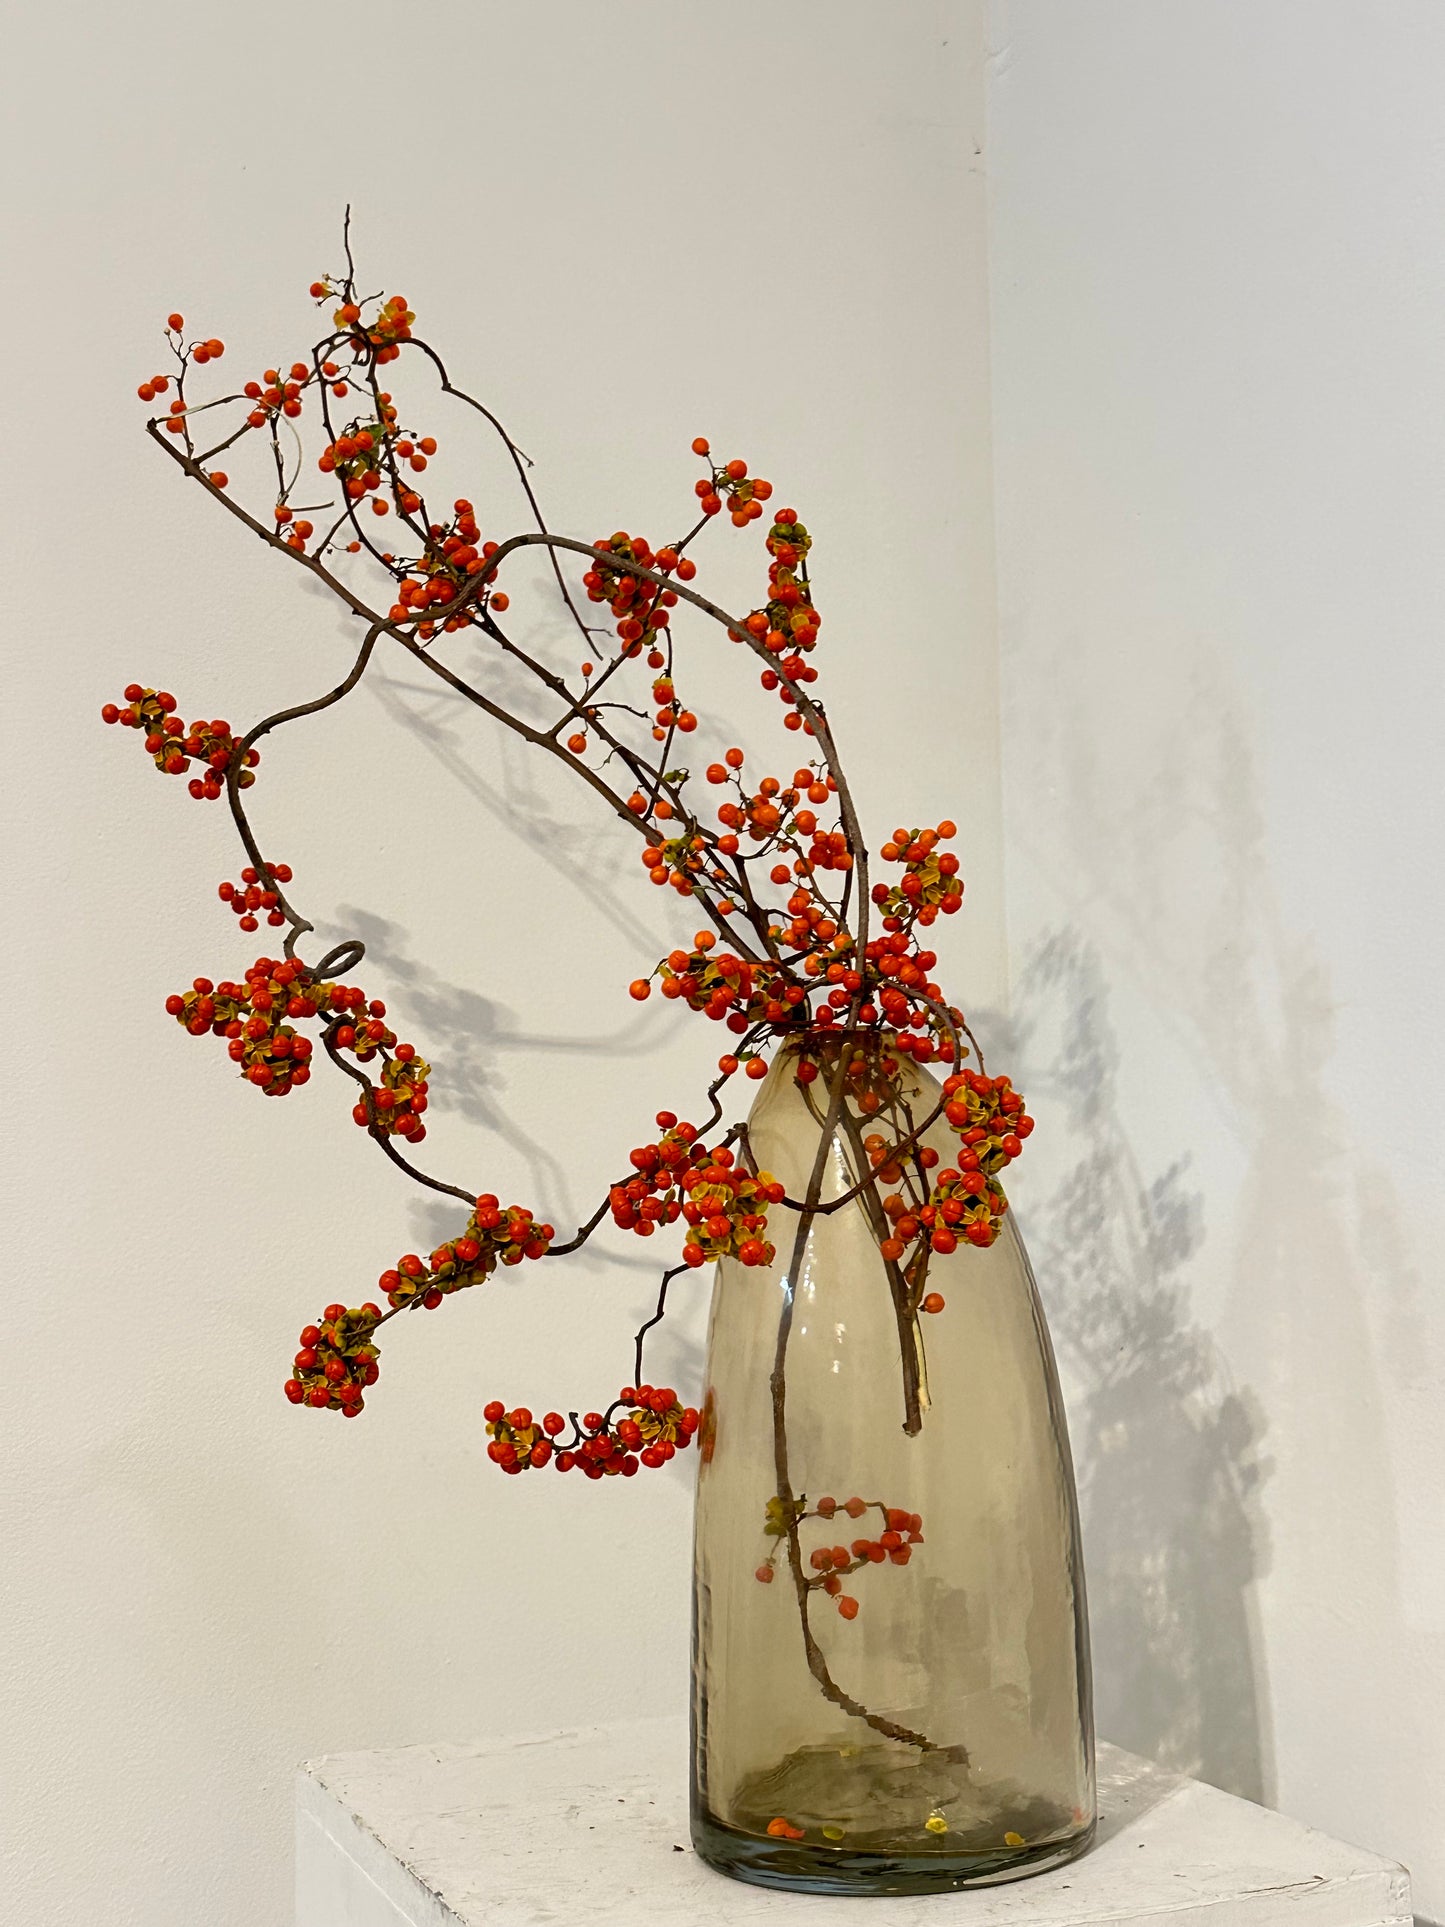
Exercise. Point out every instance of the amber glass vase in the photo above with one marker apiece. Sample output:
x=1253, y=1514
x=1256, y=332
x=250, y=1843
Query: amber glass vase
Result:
x=891, y=1685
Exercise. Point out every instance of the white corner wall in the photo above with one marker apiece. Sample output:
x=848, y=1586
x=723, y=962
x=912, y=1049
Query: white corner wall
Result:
x=628, y=224
x=1218, y=297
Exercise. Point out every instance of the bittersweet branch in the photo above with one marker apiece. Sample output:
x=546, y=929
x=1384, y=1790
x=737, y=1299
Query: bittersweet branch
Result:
x=787, y=952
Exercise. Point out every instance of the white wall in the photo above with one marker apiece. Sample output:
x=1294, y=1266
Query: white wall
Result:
x=628, y=224
x=1219, y=358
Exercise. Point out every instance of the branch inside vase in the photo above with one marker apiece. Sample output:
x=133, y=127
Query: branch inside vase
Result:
x=790, y=1508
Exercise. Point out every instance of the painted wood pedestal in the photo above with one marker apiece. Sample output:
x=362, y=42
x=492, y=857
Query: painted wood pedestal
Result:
x=589, y=1829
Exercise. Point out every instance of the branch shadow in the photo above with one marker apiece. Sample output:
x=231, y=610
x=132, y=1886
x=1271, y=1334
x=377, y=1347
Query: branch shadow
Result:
x=467, y=1032
x=469, y=1036
x=1170, y=1466
x=1157, y=869
x=588, y=859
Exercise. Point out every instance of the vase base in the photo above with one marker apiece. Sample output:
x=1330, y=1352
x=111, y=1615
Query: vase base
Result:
x=801, y=1866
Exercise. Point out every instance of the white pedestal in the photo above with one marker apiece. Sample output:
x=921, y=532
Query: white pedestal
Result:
x=589, y=1829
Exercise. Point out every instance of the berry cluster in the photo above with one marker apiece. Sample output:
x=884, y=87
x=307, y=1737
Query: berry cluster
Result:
x=930, y=881
x=729, y=990
x=830, y=1565
x=726, y=1210
x=652, y=1197
x=257, y=1016
x=721, y=986
x=172, y=746
x=951, y=1210
x=601, y=1445
x=252, y=1016
x=744, y=493
x=279, y=394
x=759, y=815
x=518, y=1441
x=391, y=327
x=668, y=713
x=199, y=351
x=724, y=1206
x=394, y=1106
x=255, y=893
x=787, y=625
x=642, y=610
x=451, y=564
x=964, y=1204
x=989, y=1116
x=899, y=983
x=678, y=860
x=355, y=458
x=208, y=1008
x=788, y=621
x=494, y=1235
x=337, y=1360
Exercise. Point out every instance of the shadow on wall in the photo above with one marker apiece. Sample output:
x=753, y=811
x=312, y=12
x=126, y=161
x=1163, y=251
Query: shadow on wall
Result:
x=1156, y=866
x=1168, y=1450
x=513, y=791
x=469, y=1034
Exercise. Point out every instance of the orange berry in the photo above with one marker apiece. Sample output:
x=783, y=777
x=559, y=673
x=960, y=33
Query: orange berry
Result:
x=640, y=988
x=176, y=321
x=501, y=600
x=701, y=446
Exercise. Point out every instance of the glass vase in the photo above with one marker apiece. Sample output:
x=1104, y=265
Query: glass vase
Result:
x=891, y=1689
